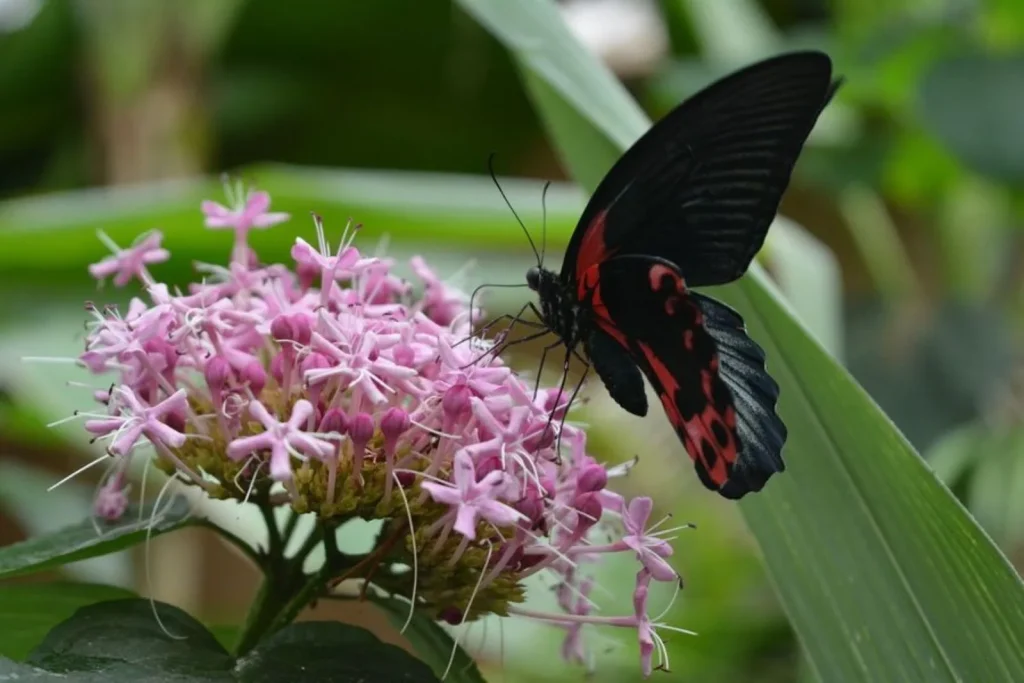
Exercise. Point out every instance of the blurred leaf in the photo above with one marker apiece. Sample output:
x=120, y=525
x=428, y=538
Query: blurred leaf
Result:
x=995, y=490
x=418, y=210
x=973, y=105
x=89, y=540
x=918, y=170
x=988, y=465
x=732, y=32
x=431, y=642
x=807, y=273
x=952, y=456
x=29, y=610
x=39, y=515
x=877, y=238
x=929, y=370
x=866, y=547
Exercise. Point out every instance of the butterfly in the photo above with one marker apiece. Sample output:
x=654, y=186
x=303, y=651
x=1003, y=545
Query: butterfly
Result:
x=689, y=205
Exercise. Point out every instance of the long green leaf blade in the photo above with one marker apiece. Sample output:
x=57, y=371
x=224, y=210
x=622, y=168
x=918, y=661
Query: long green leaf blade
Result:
x=884, y=575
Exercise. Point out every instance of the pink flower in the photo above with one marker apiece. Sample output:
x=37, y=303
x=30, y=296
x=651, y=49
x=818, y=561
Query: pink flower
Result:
x=650, y=550
x=471, y=499
x=249, y=211
x=138, y=419
x=366, y=399
x=283, y=439
x=441, y=303
x=129, y=263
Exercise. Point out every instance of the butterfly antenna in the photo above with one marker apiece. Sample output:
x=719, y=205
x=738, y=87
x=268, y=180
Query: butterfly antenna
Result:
x=544, y=222
x=490, y=168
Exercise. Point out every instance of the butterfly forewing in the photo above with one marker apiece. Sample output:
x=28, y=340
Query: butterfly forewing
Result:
x=701, y=188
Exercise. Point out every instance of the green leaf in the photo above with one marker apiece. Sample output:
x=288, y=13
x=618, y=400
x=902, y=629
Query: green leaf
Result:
x=29, y=610
x=431, y=642
x=330, y=651
x=420, y=210
x=973, y=104
x=87, y=539
x=22, y=673
x=124, y=640
x=881, y=571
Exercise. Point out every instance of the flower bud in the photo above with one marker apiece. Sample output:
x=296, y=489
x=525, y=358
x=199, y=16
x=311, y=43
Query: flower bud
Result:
x=217, y=372
x=255, y=376
x=334, y=420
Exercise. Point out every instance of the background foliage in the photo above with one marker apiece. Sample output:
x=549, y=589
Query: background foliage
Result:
x=911, y=182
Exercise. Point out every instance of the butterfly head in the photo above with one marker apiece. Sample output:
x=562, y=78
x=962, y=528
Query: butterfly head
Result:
x=533, y=277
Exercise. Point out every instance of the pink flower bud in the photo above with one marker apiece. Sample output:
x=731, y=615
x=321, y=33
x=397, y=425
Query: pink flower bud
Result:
x=590, y=510
x=592, y=478
x=394, y=423
x=334, y=420
x=111, y=500
x=487, y=465
x=456, y=400
x=451, y=615
x=361, y=428
x=255, y=376
x=315, y=361
x=404, y=355
x=217, y=372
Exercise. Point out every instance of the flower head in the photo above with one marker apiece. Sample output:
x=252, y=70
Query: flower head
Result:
x=126, y=264
x=332, y=378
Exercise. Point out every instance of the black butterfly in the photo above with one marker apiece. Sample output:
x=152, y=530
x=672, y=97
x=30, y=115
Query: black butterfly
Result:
x=689, y=205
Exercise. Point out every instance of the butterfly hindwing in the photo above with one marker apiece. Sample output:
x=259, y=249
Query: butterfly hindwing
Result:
x=612, y=362
x=755, y=394
x=701, y=187
x=711, y=383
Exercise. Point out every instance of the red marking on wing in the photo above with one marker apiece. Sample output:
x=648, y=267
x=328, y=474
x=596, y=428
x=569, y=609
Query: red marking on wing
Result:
x=593, y=249
x=714, y=456
x=699, y=430
x=657, y=274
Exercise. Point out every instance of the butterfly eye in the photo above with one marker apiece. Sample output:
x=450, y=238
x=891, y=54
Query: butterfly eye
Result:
x=533, y=279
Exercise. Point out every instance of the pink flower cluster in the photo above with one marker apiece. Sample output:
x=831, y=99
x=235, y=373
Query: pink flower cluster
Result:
x=339, y=388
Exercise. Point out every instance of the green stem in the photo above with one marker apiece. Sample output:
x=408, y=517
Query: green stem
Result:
x=280, y=579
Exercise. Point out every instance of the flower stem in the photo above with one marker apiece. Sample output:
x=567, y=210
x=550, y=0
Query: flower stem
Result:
x=280, y=581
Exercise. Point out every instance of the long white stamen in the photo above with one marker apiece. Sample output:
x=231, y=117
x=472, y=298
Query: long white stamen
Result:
x=415, y=559
x=81, y=469
x=148, y=563
x=469, y=606
x=61, y=360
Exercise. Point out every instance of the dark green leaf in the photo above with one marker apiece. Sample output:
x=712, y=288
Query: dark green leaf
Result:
x=330, y=652
x=973, y=104
x=432, y=643
x=86, y=540
x=28, y=611
x=23, y=673
x=123, y=640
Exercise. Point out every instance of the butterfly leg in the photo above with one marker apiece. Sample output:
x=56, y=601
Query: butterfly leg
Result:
x=514, y=318
x=540, y=370
x=569, y=353
x=518, y=318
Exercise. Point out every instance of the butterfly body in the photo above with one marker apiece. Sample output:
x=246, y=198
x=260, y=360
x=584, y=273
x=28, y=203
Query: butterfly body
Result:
x=689, y=205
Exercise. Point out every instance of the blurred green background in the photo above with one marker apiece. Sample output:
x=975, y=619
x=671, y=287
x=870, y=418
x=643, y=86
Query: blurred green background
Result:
x=904, y=252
